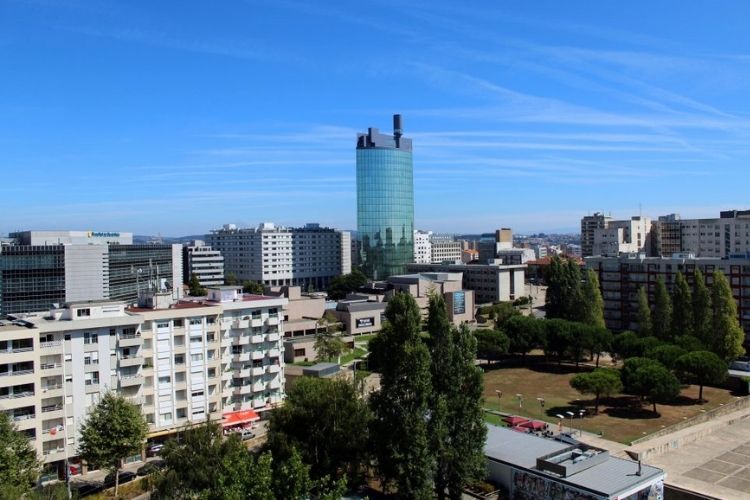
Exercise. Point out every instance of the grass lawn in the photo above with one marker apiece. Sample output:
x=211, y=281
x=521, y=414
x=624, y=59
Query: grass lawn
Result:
x=365, y=338
x=621, y=418
x=352, y=355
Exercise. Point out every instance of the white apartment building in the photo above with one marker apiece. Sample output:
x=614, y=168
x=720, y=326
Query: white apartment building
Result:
x=625, y=236
x=203, y=261
x=180, y=361
x=723, y=237
x=589, y=224
x=422, y=247
x=275, y=256
x=445, y=251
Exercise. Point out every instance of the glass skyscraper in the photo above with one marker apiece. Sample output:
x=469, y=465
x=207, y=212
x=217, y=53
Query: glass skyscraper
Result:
x=385, y=201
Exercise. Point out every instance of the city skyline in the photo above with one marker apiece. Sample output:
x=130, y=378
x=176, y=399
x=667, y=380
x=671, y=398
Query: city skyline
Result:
x=173, y=120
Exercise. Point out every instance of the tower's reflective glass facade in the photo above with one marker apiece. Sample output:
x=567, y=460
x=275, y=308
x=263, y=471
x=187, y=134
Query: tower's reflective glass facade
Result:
x=385, y=202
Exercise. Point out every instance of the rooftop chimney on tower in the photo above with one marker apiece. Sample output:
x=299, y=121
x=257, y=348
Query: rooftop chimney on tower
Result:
x=397, y=132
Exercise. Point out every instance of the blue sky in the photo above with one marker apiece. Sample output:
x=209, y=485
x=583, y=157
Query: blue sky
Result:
x=176, y=117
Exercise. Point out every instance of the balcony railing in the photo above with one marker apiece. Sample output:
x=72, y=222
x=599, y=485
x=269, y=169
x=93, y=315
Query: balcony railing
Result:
x=17, y=349
x=49, y=408
x=25, y=416
x=49, y=366
x=18, y=372
x=126, y=336
x=15, y=395
x=53, y=343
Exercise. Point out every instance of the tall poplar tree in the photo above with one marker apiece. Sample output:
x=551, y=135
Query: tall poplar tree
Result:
x=728, y=335
x=682, y=307
x=593, y=303
x=401, y=442
x=702, y=310
x=644, y=313
x=457, y=430
x=554, y=276
x=661, y=320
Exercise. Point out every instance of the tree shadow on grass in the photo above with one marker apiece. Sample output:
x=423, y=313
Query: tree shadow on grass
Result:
x=631, y=412
x=553, y=368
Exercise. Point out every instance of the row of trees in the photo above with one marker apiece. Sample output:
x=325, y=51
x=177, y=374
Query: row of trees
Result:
x=340, y=286
x=571, y=298
x=707, y=314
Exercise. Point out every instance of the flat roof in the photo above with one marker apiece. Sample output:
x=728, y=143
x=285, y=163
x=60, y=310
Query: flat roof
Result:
x=611, y=477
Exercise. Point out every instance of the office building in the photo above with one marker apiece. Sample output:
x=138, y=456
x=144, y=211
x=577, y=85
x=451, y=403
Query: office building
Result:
x=35, y=277
x=626, y=236
x=445, y=251
x=621, y=277
x=385, y=201
x=180, y=361
x=490, y=283
x=308, y=257
x=422, y=247
x=490, y=244
x=589, y=225
x=203, y=261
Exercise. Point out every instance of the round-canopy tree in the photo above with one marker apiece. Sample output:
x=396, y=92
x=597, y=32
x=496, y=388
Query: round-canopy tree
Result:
x=600, y=382
x=702, y=367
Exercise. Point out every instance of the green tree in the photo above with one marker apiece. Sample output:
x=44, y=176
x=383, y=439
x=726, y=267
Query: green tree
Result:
x=112, y=431
x=524, y=333
x=600, y=341
x=580, y=340
x=329, y=347
x=253, y=287
x=467, y=429
x=690, y=343
x=400, y=433
x=657, y=384
x=19, y=465
x=600, y=382
x=702, y=367
x=628, y=374
x=666, y=354
x=644, y=313
x=502, y=312
x=325, y=421
x=728, y=335
x=196, y=290
x=626, y=344
x=292, y=478
x=340, y=286
x=230, y=279
x=661, y=320
x=564, y=295
x=557, y=338
x=682, y=307
x=456, y=423
x=491, y=344
x=702, y=310
x=592, y=303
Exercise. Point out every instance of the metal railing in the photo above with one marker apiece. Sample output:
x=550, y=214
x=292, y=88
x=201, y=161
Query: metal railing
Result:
x=52, y=343
x=18, y=372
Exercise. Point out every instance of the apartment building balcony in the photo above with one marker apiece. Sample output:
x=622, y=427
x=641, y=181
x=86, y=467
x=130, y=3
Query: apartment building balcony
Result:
x=242, y=389
x=273, y=368
x=19, y=417
x=256, y=322
x=49, y=369
x=273, y=353
x=52, y=432
x=49, y=346
x=259, y=403
x=132, y=360
x=227, y=375
x=272, y=337
x=92, y=388
x=272, y=320
x=243, y=372
x=136, y=400
x=275, y=383
x=131, y=380
x=256, y=339
x=241, y=340
x=259, y=386
x=130, y=340
x=241, y=323
x=258, y=355
x=54, y=454
x=258, y=371
x=51, y=390
x=16, y=400
x=241, y=357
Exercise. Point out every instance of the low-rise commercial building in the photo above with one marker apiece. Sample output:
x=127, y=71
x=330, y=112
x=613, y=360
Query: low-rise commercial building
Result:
x=494, y=282
x=533, y=468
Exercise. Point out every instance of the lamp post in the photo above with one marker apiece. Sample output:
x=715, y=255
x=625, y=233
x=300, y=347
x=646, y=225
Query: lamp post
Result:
x=562, y=419
x=520, y=400
x=499, y=397
x=571, y=415
x=581, y=413
x=541, y=403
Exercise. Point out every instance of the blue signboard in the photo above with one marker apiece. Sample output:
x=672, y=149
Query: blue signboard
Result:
x=459, y=302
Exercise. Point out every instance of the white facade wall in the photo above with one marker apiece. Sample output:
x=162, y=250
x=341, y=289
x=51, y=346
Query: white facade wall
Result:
x=422, y=247
x=443, y=251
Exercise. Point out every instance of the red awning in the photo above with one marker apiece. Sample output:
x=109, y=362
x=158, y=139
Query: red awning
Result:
x=239, y=417
x=515, y=420
x=519, y=429
x=534, y=424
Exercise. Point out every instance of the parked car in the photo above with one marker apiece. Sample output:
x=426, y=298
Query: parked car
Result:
x=247, y=434
x=150, y=467
x=154, y=449
x=125, y=477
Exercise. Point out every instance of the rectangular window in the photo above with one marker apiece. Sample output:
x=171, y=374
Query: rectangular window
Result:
x=164, y=380
x=178, y=322
x=196, y=357
x=82, y=313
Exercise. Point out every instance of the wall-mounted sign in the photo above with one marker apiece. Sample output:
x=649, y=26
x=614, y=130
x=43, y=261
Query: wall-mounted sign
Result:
x=365, y=322
x=98, y=234
x=459, y=302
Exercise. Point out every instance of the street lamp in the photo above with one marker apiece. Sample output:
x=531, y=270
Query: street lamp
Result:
x=541, y=402
x=520, y=400
x=571, y=415
x=562, y=419
x=499, y=397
